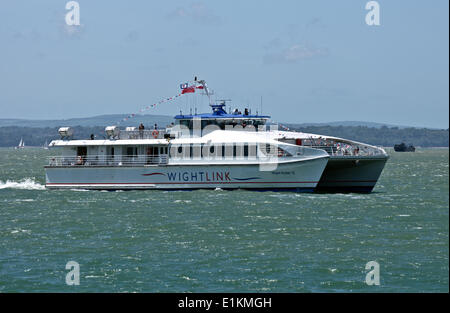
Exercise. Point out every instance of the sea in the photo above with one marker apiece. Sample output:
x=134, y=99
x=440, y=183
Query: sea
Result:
x=395, y=239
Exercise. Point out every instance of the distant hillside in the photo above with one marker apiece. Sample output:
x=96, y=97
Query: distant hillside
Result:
x=384, y=136
x=147, y=119
x=101, y=120
x=36, y=132
x=33, y=136
x=349, y=123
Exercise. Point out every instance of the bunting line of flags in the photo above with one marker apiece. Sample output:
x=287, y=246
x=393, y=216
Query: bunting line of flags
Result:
x=185, y=88
x=148, y=107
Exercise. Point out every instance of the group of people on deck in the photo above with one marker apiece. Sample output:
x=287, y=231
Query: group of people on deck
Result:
x=237, y=112
x=142, y=128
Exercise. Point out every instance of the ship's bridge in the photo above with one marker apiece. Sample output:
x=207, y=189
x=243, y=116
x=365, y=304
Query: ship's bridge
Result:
x=221, y=118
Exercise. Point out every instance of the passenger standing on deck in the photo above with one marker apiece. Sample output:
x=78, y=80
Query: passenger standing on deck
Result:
x=141, y=131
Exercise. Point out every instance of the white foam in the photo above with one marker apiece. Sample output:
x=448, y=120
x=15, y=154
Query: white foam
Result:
x=26, y=184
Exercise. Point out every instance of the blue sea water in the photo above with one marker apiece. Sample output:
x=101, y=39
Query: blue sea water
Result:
x=226, y=241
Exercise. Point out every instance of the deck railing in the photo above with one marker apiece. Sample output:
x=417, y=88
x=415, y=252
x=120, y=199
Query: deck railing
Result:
x=348, y=149
x=142, y=134
x=107, y=160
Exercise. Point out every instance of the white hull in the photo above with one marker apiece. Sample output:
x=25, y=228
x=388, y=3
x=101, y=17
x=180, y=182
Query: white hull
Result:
x=300, y=175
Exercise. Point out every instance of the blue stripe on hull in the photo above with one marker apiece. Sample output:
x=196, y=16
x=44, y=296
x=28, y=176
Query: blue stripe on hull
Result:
x=294, y=189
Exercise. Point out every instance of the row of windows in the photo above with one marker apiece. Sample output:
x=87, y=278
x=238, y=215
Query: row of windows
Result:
x=150, y=150
x=232, y=150
x=222, y=123
x=196, y=151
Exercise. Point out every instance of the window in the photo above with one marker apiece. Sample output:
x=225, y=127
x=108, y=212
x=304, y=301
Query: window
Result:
x=132, y=151
x=229, y=150
x=238, y=151
x=82, y=151
x=252, y=151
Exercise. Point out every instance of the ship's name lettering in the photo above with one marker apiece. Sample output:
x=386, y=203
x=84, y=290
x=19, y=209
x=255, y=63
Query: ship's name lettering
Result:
x=199, y=176
x=283, y=173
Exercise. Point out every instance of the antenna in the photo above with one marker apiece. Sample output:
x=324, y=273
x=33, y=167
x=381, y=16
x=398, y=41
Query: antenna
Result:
x=261, y=106
x=222, y=101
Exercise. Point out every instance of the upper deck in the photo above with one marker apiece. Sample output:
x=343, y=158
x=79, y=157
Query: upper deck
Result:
x=219, y=117
x=218, y=147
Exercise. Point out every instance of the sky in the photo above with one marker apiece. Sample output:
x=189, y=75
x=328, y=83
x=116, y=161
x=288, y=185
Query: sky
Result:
x=309, y=61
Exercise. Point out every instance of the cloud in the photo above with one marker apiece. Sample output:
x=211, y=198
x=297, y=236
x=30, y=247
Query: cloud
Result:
x=273, y=44
x=291, y=45
x=41, y=55
x=298, y=52
x=198, y=12
x=178, y=13
x=132, y=36
x=294, y=53
x=32, y=35
x=315, y=23
x=189, y=41
x=328, y=92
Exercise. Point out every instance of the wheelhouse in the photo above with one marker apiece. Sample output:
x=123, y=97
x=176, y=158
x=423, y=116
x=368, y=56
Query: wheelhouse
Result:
x=221, y=119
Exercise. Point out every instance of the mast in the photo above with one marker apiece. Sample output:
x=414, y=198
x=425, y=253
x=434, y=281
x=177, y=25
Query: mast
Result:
x=205, y=88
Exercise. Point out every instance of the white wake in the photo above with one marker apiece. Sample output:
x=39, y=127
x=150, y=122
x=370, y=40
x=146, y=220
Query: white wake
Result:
x=26, y=184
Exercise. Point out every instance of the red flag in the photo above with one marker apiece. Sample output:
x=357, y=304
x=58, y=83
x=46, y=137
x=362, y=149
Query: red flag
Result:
x=188, y=90
x=199, y=87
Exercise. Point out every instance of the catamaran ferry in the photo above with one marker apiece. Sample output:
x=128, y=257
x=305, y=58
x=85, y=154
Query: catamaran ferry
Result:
x=231, y=150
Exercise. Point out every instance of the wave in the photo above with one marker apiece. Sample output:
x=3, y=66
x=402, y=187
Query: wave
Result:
x=25, y=184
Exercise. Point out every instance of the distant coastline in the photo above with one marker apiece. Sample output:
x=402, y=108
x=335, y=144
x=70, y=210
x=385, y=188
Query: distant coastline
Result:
x=36, y=132
x=384, y=136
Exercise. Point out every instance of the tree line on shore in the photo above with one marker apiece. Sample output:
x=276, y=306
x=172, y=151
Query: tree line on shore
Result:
x=383, y=136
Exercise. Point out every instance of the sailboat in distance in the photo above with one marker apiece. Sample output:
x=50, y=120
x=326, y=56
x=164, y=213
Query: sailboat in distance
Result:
x=21, y=144
x=45, y=145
